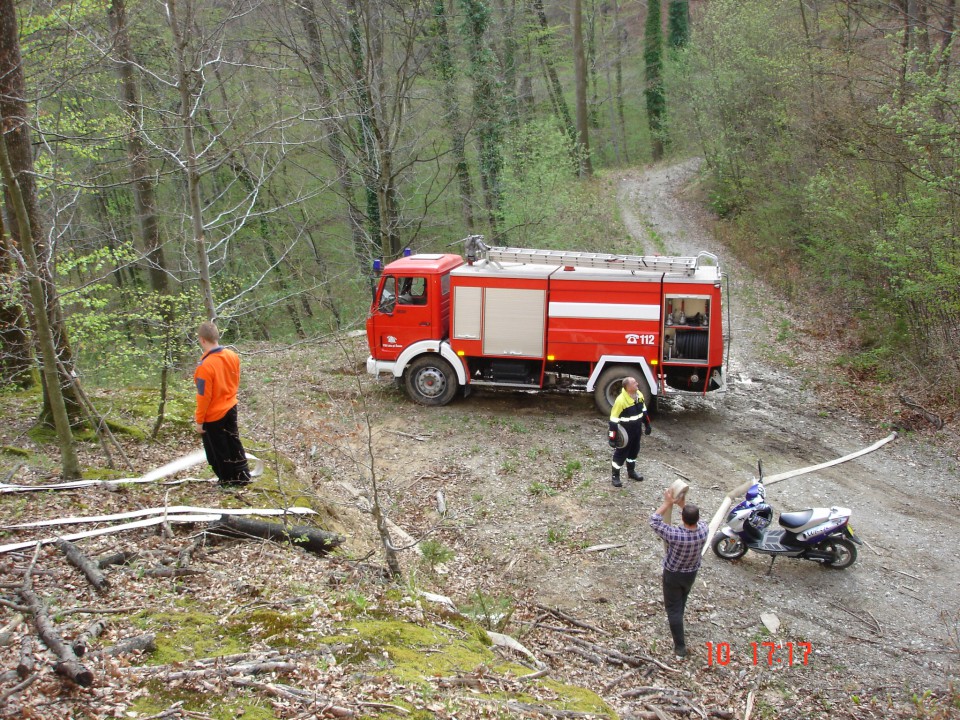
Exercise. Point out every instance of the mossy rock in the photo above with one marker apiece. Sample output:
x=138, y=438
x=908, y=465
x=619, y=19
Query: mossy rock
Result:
x=15, y=451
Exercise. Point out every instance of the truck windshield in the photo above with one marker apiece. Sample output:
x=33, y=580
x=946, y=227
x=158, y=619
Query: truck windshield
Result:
x=388, y=296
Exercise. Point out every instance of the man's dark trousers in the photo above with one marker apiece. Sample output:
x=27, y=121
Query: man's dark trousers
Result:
x=676, y=588
x=221, y=442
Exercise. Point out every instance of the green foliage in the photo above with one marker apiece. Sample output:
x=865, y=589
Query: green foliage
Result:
x=492, y=612
x=678, y=23
x=571, y=467
x=741, y=80
x=539, y=489
x=435, y=552
x=556, y=535
x=542, y=202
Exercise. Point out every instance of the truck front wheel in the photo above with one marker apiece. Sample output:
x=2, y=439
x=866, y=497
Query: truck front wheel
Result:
x=610, y=383
x=430, y=381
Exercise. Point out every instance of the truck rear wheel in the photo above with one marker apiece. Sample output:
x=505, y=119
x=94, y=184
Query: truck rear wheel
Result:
x=430, y=381
x=610, y=384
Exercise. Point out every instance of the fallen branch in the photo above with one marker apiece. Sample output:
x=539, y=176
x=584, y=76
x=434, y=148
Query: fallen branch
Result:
x=99, y=611
x=311, y=539
x=6, y=632
x=930, y=417
x=873, y=624
x=601, y=548
x=168, y=572
x=84, y=564
x=241, y=669
x=19, y=687
x=614, y=657
x=572, y=620
x=69, y=665
x=506, y=641
x=304, y=697
x=549, y=711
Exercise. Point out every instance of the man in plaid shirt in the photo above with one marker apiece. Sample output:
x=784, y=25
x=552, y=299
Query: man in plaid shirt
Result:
x=681, y=562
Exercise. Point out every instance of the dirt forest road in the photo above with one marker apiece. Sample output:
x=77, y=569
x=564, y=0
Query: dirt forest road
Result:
x=526, y=481
x=889, y=618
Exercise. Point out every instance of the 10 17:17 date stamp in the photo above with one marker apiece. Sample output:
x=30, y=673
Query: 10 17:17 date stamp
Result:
x=771, y=654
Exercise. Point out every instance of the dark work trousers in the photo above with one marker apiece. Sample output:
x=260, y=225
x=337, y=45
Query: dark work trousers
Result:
x=676, y=588
x=221, y=442
x=630, y=451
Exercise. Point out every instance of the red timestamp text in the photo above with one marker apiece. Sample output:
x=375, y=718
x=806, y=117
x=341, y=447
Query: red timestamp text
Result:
x=763, y=653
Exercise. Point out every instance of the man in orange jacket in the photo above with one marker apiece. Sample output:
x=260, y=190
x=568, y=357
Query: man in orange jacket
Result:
x=217, y=378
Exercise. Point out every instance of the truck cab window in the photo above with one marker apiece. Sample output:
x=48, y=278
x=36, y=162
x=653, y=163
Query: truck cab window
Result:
x=413, y=291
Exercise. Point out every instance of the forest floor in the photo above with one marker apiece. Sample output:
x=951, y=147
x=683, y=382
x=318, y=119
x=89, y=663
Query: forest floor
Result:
x=523, y=480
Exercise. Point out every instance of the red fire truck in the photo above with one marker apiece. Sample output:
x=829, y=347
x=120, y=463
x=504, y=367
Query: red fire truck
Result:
x=547, y=320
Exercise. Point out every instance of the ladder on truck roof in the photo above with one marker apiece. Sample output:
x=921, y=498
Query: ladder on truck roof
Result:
x=655, y=263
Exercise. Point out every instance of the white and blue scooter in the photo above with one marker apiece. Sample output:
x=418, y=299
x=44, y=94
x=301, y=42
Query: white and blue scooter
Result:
x=820, y=534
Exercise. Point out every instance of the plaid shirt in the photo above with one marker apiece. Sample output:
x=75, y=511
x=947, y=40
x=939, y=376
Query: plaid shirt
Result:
x=683, y=546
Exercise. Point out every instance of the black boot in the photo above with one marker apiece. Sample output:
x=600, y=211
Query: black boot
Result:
x=679, y=646
x=616, y=478
x=632, y=472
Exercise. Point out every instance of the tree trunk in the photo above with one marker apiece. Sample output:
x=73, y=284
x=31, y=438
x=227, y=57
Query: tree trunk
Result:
x=620, y=33
x=70, y=463
x=653, y=90
x=443, y=58
x=366, y=130
x=580, y=73
x=185, y=77
x=16, y=355
x=21, y=196
x=486, y=106
x=143, y=181
x=553, y=80
x=334, y=134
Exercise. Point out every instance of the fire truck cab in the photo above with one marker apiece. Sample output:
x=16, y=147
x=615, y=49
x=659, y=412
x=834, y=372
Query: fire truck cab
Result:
x=547, y=320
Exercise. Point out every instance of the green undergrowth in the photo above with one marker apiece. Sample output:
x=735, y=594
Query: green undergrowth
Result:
x=370, y=645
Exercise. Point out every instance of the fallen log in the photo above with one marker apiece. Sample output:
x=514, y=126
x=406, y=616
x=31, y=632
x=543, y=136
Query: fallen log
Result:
x=90, y=633
x=311, y=539
x=143, y=643
x=27, y=663
x=169, y=572
x=246, y=669
x=84, y=564
x=69, y=664
x=118, y=558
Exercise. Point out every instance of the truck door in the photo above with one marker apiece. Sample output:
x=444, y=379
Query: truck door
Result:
x=401, y=315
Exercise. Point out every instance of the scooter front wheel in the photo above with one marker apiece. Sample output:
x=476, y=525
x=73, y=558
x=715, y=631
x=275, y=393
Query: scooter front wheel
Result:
x=729, y=548
x=843, y=551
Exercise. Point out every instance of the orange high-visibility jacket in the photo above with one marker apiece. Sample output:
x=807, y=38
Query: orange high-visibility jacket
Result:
x=217, y=378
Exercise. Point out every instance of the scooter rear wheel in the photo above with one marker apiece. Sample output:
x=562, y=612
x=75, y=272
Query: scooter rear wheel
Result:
x=843, y=551
x=729, y=548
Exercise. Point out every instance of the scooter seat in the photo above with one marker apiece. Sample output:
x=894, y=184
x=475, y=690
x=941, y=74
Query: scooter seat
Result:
x=802, y=519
